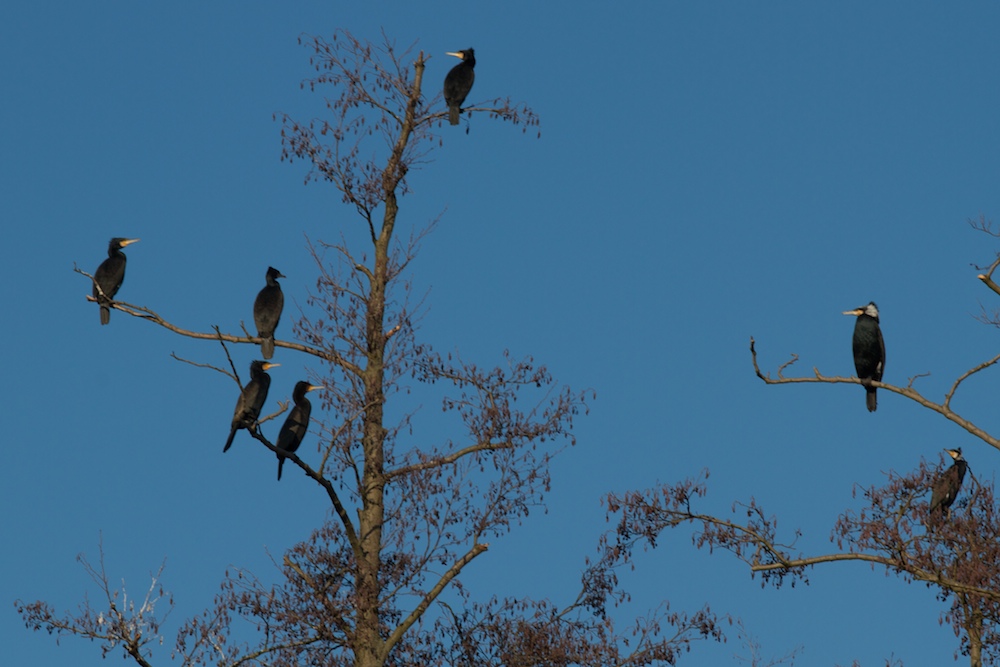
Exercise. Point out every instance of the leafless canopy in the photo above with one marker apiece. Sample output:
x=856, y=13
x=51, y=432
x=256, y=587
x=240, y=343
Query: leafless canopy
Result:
x=957, y=554
x=379, y=583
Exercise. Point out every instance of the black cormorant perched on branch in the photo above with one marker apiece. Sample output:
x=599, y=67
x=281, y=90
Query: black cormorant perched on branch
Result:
x=251, y=400
x=869, y=349
x=267, y=311
x=459, y=82
x=947, y=485
x=297, y=423
x=109, y=276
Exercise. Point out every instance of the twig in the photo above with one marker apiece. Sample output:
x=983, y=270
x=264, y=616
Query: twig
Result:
x=209, y=366
x=282, y=407
x=229, y=357
x=971, y=371
x=911, y=380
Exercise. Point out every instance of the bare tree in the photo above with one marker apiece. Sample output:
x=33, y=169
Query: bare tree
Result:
x=957, y=555
x=122, y=622
x=409, y=513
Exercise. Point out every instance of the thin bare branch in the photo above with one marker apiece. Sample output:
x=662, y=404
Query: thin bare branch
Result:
x=149, y=315
x=432, y=595
x=935, y=578
x=966, y=374
x=331, y=493
x=914, y=378
x=944, y=408
x=213, y=367
x=438, y=461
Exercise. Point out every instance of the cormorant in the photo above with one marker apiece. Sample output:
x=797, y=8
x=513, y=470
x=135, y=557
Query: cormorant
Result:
x=459, y=82
x=267, y=311
x=947, y=485
x=251, y=399
x=297, y=423
x=869, y=350
x=109, y=276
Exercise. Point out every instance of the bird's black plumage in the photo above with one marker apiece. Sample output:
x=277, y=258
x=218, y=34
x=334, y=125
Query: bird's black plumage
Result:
x=109, y=276
x=251, y=400
x=459, y=82
x=869, y=350
x=267, y=311
x=295, y=426
x=946, y=486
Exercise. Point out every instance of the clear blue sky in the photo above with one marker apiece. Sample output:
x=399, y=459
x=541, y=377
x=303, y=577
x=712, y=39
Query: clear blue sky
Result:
x=706, y=172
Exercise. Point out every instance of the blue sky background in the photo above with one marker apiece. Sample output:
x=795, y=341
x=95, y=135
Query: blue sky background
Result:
x=706, y=172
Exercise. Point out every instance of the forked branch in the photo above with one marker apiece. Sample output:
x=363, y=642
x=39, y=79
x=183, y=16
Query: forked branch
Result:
x=987, y=277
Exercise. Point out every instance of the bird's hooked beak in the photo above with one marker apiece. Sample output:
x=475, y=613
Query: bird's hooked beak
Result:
x=460, y=56
x=314, y=387
x=268, y=365
x=128, y=242
x=953, y=453
x=856, y=312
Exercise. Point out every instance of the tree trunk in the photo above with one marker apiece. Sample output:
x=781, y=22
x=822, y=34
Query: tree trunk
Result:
x=368, y=642
x=974, y=628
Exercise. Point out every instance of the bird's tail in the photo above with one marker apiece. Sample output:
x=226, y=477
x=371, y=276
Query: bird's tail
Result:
x=267, y=347
x=281, y=462
x=229, y=442
x=453, y=113
x=105, y=315
x=870, y=399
